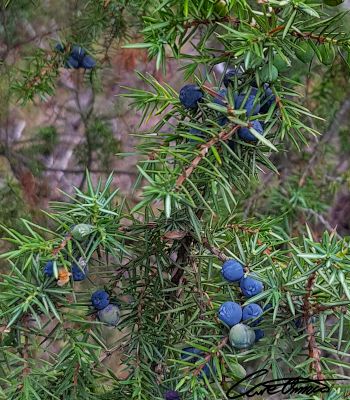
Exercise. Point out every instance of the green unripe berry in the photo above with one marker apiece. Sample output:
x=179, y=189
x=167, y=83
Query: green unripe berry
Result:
x=333, y=3
x=305, y=52
x=326, y=53
x=280, y=63
x=220, y=8
x=269, y=73
x=241, y=336
x=81, y=231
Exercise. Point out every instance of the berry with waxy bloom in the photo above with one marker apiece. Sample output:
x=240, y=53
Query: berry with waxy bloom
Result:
x=241, y=336
x=100, y=299
x=230, y=313
x=81, y=231
x=59, y=47
x=252, y=311
x=110, y=315
x=87, y=62
x=250, y=286
x=232, y=270
x=221, y=98
x=72, y=62
x=230, y=76
x=78, y=53
x=196, y=132
x=267, y=100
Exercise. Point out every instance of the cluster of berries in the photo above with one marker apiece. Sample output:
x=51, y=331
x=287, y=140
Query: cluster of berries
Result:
x=190, y=95
x=78, y=272
x=77, y=58
x=106, y=312
x=233, y=315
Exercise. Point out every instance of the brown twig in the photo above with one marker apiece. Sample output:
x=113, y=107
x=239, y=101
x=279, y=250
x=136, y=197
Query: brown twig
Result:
x=302, y=35
x=203, y=150
x=76, y=374
x=314, y=351
x=319, y=308
x=210, y=355
x=214, y=250
x=62, y=245
x=243, y=228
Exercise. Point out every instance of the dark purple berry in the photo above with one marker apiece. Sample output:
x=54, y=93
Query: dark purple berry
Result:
x=190, y=95
x=88, y=62
x=245, y=134
x=172, y=395
x=48, y=269
x=79, y=274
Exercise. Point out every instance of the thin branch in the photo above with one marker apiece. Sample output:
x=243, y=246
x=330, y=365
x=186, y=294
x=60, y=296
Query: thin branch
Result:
x=203, y=150
x=208, y=357
x=214, y=250
x=62, y=245
x=314, y=351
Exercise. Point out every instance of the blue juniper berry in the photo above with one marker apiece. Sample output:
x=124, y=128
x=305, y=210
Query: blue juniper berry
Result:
x=88, y=62
x=251, y=106
x=100, y=299
x=71, y=62
x=48, y=269
x=267, y=99
x=78, y=53
x=79, y=274
x=79, y=59
x=250, y=286
x=59, y=47
x=221, y=98
x=252, y=311
x=230, y=76
x=190, y=95
x=259, y=334
x=232, y=270
x=196, y=132
x=230, y=313
x=223, y=121
x=245, y=134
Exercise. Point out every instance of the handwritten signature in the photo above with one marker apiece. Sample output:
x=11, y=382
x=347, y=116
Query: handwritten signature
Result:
x=290, y=386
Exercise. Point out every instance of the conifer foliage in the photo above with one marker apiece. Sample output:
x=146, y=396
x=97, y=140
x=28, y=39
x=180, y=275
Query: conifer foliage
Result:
x=185, y=293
